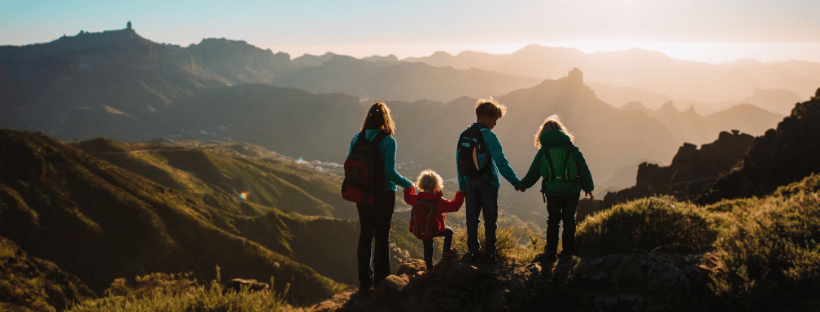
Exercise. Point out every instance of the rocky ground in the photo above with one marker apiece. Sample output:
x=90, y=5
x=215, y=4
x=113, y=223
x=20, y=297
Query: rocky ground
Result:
x=640, y=281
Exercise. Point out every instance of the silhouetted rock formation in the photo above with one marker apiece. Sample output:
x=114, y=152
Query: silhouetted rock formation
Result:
x=692, y=171
x=777, y=158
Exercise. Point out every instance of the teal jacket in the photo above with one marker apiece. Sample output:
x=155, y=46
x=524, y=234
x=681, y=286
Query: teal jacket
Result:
x=388, y=149
x=498, y=162
x=553, y=137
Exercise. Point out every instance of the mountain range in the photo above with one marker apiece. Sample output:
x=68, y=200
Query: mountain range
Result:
x=118, y=85
x=200, y=123
x=651, y=71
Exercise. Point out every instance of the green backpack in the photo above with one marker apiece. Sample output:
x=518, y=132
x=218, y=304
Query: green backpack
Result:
x=558, y=167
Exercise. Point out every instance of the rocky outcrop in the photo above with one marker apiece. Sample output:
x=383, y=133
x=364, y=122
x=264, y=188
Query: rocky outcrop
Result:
x=692, y=171
x=641, y=281
x=778, y=158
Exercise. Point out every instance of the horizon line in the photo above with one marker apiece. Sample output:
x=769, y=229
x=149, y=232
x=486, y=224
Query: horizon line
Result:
x=710, y=52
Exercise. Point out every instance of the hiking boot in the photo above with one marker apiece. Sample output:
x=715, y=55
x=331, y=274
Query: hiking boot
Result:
x=492, y=257
x=473, y=256
x=452, y=253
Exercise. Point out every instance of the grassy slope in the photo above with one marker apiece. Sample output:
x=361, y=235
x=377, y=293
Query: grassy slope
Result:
x=293, y=209
x=101, y=222
x=760, y=252
x=35, y=284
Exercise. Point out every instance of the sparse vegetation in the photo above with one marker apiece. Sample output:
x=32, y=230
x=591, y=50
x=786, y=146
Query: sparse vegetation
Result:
x=771, y=250
x=761, y=253
x=508, y=241
x=173, y=293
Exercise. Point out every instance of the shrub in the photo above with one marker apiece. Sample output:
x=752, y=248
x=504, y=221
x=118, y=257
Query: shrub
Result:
x=146, y=286
x=771, y=252
x=647, y=224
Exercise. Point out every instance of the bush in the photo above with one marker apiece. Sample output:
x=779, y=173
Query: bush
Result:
x=771, y=252
x=647, y=224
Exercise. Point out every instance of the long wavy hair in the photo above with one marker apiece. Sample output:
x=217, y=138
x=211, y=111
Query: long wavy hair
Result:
x=552, y=122
x=378, y=117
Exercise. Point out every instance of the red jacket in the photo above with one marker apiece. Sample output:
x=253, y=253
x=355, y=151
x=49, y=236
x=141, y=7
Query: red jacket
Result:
x=442, y=205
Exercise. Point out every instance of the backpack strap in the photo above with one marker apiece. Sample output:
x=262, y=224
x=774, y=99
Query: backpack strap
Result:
x=549, y=160
x=480, y=139
x=379, y=137
x=379, y=177
x=362, y=137
x=566, y=170
x=481, y=148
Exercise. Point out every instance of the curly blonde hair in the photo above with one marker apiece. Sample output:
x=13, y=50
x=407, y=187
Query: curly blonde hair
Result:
x=429, y=181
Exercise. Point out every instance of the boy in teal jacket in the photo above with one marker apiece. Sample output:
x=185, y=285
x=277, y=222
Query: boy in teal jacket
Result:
x=482, y=190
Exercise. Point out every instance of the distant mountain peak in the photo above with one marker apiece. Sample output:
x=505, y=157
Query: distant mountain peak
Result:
x=576, y=76
x=668, y=106
x=440, y=54
x=635, y=105
x=376, y=58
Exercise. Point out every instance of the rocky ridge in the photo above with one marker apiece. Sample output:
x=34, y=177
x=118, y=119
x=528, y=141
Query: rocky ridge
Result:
x=640, y=281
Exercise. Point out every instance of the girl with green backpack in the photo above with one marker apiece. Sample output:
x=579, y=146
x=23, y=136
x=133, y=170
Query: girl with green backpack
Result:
x=565, y=174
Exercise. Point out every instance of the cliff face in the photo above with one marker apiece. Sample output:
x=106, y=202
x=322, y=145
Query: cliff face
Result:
x=781, y=156
x=692, y=172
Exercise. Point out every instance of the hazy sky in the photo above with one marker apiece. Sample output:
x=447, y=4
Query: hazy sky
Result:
x=703, y=30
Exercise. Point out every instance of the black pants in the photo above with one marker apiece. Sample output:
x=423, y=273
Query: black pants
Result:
x=375, y=222
x=482, y=198
x=428, y=246
x=561, y=208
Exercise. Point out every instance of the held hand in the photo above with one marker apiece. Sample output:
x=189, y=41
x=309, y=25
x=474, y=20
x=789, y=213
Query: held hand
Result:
x=591, y=197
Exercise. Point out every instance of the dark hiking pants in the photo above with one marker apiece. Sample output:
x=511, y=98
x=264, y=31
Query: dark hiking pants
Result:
x=428, y=246
x=375, y=223
x=482, y=198
x=561, y=208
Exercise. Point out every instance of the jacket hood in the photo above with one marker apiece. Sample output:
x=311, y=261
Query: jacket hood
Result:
x=430, y=196
x=553, y=137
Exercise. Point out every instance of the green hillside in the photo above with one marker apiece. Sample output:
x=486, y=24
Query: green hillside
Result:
x=100, y=222
x=297, y=202
x=218, y=172
x=35, y=284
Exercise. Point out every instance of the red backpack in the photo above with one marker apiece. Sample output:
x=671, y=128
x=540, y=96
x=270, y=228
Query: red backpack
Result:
x=364, y=170
x=421, y=219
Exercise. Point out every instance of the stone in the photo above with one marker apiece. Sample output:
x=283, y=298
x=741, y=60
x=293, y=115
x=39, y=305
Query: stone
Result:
x=252, y=285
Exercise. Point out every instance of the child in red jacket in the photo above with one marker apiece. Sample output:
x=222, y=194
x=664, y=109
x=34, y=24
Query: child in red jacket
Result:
x=431, y=186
